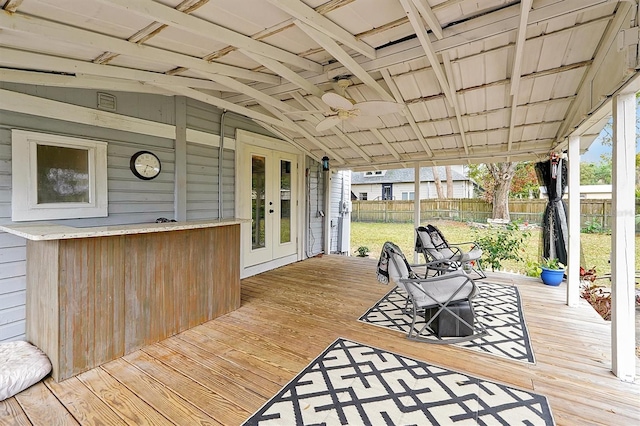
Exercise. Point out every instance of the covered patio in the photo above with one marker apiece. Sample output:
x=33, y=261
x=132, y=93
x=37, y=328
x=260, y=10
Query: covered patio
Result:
x=441, y=82
x=224, y=370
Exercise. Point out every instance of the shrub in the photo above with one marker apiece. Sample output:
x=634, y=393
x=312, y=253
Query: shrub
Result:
x=499, y=244
x=362, y=251
x=593, y=227
x=533, y=269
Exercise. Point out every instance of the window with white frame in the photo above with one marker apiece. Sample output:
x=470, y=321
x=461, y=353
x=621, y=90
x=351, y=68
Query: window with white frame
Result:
x=375, y=173
x=57, y=177
x=408, y=195
x=363, y=196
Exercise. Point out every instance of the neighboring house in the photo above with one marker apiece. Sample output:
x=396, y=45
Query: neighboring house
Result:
x=398, y=184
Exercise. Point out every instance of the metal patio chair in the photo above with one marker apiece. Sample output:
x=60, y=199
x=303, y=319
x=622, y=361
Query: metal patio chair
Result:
x=441, y=256
x=441, y=307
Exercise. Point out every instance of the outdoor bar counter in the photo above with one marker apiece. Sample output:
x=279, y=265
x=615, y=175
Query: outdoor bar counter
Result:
x=96, y=294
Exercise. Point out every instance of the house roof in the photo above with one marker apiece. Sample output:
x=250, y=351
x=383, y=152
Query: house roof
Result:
x=404, y=175
x=478, y=81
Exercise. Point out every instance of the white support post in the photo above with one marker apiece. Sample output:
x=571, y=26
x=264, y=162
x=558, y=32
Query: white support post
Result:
x=416, y=204
x=623, y=360
x=573, y=256
x=327, y=212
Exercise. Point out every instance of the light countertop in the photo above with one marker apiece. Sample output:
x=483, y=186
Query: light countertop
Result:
x=49, y=231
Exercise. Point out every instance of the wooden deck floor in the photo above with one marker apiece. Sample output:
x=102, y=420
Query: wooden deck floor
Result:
x=224, y=370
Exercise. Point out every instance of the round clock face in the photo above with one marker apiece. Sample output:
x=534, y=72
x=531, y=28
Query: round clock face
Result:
x=145, y=165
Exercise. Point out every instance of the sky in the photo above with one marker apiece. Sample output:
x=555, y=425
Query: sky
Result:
x=596, y=148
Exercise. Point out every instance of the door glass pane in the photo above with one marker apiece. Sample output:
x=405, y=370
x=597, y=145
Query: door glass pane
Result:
x=258, y=206
x=63, y=174
x=285, y=201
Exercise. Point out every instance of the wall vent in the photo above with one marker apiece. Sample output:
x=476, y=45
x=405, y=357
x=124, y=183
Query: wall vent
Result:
x=106, y=101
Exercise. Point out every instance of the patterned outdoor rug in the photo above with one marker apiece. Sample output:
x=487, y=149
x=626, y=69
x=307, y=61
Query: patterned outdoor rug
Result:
x=497, y=306
x=353, y=384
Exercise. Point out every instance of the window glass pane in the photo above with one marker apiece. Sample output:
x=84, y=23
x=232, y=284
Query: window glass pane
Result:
x=63, y=175
x=258, y=201
x=285, y=201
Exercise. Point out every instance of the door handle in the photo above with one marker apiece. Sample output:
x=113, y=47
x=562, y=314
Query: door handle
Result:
x=270, y=210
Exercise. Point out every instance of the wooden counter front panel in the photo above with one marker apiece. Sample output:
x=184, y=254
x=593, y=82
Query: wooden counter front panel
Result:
x=117, y=294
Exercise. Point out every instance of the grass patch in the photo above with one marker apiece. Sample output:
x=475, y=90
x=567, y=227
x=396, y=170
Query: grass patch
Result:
x=595, y=247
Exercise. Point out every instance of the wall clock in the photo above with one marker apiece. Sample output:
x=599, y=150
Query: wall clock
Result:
x=145, y=165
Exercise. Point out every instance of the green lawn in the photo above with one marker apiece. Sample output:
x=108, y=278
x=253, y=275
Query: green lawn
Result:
x=595, y=247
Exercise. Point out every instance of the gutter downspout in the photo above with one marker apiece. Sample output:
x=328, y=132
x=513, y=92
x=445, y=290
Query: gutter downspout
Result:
x=220, y=161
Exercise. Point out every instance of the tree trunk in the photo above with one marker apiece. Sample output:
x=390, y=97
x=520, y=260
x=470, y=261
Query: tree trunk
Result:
x=447, y=170
x=436, y=179
x=502, y=175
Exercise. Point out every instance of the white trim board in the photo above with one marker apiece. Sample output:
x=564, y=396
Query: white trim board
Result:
x=41, y=107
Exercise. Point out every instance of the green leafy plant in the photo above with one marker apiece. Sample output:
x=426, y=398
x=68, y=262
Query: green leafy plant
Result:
x=551, y=263
x=362, y=251
x=499, y=244
x=533, y=269
x=593, y=227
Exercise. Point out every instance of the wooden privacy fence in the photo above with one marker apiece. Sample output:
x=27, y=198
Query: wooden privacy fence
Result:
x=596, y=212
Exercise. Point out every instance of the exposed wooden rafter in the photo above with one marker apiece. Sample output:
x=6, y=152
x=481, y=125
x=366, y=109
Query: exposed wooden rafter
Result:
x=308, y=136
x=314, y=103
x=525, y=7
x=191, y=24
x=344, y=58
x=412, y=122
x=320, y=23
x=12, y=5
x=52, y=30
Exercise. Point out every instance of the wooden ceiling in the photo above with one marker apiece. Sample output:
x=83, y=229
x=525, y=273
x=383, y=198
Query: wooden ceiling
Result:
x=479, y=81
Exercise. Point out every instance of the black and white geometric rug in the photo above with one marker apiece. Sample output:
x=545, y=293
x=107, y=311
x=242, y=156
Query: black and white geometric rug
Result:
x=497, y=306
x=354, y=384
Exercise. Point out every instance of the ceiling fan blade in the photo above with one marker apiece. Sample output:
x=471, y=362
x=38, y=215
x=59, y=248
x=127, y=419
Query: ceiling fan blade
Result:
x=336, y=101
x=366, y=121
x=327, y=123
x=375, y=108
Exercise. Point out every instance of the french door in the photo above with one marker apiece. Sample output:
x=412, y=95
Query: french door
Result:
x=270, y=195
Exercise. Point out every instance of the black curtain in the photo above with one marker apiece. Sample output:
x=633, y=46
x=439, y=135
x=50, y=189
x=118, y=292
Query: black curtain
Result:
x=552, y=174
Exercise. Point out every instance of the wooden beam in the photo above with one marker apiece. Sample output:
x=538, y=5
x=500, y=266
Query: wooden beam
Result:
x=586, y=89
x=344, y=58
x=407, y=112
x=284, y=137
x=454, y=101
x=430, y=18
x=385, y=143
x=320, y=23
x=345, y=138
x=77, y=81
x=202, y=28
x=427, y=47
x=36, y=61
x=12, y=5
x=308, y=136
x=285, y=72
x=473, y=30
x=525, y=7
x=222, y=104
x=52, y=30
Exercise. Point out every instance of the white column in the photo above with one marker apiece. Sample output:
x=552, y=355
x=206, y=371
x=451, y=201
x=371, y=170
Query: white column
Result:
x=573, y=255
x=623, y=238
x=327, y=212
x=416, y=204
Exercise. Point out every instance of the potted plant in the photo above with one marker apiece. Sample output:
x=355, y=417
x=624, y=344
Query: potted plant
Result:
x=552, y=271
